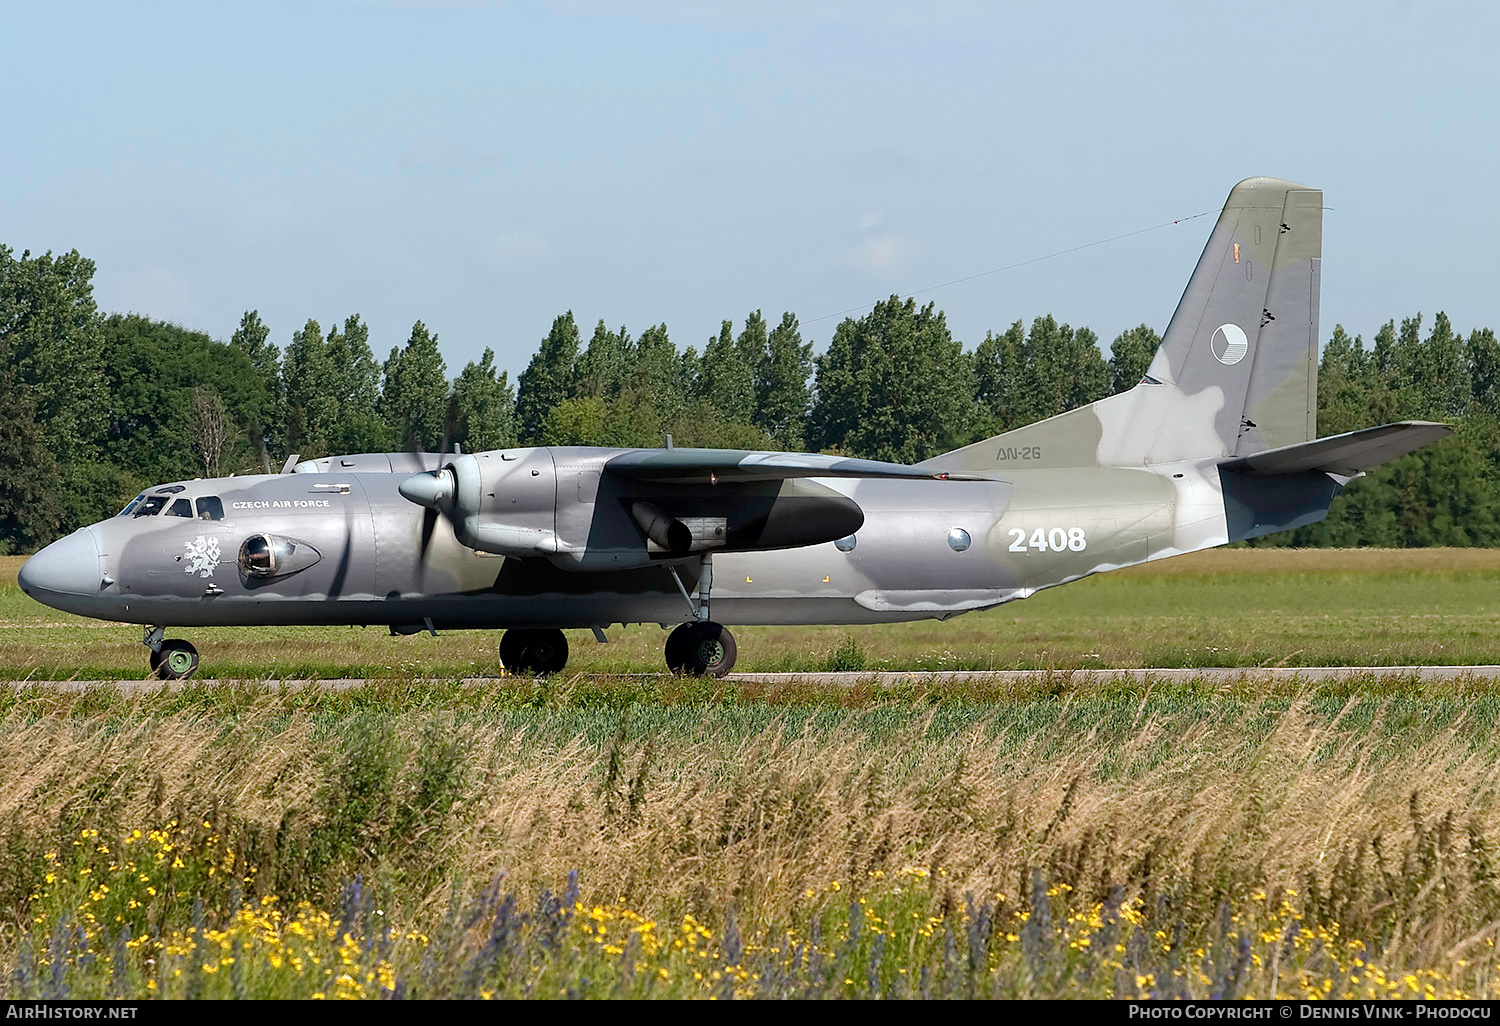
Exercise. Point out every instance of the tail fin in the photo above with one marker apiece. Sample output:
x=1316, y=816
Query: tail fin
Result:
x=1236, y=372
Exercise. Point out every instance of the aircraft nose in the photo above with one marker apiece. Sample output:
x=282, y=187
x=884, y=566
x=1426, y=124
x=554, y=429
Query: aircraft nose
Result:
x=69, y=566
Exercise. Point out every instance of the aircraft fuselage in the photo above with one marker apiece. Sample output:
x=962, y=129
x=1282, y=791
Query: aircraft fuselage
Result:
x=927, y=549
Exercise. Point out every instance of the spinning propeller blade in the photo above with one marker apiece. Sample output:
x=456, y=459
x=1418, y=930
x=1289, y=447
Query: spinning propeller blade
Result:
x=433, y=489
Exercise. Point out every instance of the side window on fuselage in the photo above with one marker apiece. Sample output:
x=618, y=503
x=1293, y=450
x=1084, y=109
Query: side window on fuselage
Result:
x=180, y=508
x=210, y=508
x=151, y=506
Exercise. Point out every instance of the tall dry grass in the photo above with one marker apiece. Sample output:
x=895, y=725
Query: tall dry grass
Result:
x=1381, y=813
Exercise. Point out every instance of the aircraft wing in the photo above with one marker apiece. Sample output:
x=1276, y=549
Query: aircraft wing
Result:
x=1347, y=454
x=710, y=466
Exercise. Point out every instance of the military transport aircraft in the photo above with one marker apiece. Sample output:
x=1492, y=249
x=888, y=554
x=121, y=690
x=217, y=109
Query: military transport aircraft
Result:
x=1216, y=443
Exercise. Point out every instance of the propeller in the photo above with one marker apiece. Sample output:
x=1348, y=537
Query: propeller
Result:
x=434, y=489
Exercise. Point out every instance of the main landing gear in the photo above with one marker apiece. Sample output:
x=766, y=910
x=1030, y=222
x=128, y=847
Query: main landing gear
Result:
x=538, y=651
x=700, y=647
x=172, y=659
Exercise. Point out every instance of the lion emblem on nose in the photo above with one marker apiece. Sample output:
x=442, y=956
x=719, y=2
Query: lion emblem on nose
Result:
x=202, y=556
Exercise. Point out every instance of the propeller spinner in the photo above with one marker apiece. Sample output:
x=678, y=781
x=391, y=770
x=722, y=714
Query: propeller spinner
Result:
x=434, y=489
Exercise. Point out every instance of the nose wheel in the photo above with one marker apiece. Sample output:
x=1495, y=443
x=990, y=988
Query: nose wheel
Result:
x=701, y=649
x=174, y=660
x=539, y=651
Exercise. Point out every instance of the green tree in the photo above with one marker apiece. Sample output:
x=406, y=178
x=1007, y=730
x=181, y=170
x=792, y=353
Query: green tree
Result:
x=1483, y=357
x=655, y=376
x=1064, y=368
x=1002, y=388
x=50, y=337
x=484, y=406
x=753, y=345
x=602, y=365
x=181, y=403
x=893, y=385
x=30, y=509
x=1347, y=383
x=253, y=338
x=1445, y=494
x=726, y=382
x=703, y=426
x=354, y=385
x=267, y=425
x=311, y=411
x=781, y=385
x=1360, y=517
x=1129, y=356
x=1423, y=378
x=578, y=421
x=1446, y=369
x=546, y=380
x=414, y=401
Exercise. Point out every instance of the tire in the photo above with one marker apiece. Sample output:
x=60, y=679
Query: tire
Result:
x=676, y=649
x=703, y=649
x=177, y=660
x=539, y=651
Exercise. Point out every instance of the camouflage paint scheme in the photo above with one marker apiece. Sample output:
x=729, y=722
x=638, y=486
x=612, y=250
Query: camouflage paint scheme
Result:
x=1215, y=444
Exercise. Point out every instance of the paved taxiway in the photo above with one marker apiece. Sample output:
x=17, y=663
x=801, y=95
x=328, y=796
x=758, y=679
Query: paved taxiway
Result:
x=886, y=678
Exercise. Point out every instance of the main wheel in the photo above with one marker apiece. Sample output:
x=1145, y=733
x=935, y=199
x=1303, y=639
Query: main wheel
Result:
x=176, y=660
x=676, y=649
x=534, y=650
x=703, y=648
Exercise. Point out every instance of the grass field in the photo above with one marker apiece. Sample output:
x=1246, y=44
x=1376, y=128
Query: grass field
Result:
x=1234, y=607
x=597, y=836
x=584, y=839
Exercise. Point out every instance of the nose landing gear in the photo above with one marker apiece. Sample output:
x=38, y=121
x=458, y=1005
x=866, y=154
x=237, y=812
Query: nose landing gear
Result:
x=172, y=659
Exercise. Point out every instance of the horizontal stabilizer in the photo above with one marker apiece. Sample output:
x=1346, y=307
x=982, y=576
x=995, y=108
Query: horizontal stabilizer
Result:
x=703, y=465
x=1346, y=455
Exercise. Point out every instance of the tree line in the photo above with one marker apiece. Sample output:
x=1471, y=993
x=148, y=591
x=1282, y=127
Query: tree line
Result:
x=101, y=405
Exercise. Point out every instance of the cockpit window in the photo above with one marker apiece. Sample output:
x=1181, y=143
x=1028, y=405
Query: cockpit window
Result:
x=180, y=508
x=151, y=506
x=210, y=508
x=130, y=506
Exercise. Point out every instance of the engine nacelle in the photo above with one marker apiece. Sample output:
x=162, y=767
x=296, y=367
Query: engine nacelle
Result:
x=562, y=505
x=506, y=502
x=503, y=502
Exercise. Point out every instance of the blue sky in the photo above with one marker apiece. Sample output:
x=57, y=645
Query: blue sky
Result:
x=485, y=167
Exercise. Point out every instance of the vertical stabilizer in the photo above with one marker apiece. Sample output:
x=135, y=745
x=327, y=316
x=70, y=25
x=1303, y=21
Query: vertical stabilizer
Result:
x=1236, y=372
x=1247, y=324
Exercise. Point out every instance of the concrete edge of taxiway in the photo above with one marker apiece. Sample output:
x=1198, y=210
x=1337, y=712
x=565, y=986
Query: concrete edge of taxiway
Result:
x=895, y=678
